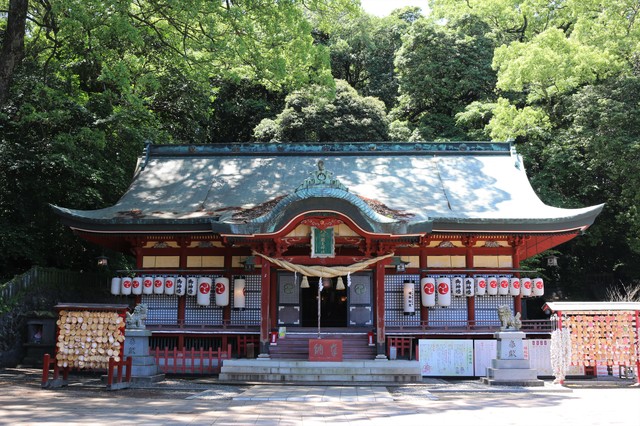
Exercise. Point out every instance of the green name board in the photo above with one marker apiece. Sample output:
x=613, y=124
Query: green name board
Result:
x=322, y=242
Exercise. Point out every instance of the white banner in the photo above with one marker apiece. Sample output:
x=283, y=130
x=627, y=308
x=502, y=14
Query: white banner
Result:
x=446, y=357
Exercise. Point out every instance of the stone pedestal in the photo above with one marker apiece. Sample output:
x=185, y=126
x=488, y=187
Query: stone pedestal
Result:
x=143, y=365
x=511, y=368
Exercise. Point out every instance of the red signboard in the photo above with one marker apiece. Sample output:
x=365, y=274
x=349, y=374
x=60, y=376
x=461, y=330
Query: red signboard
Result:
x=325, y=350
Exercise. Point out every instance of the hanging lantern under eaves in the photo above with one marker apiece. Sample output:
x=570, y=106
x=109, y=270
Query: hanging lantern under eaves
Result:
x=147, y=285
x=537, y=287
x=125, y=286
x=158, y=284
x=204, y=291
x=192, y=286
x=115, y=285
x=181, y=285
x=481, y=286
x=136, y=285
x=514, y=286
x=170, y=285
x=239, y=293
x=222, y=291
x=428, y=291
x=409, y=298
x=525, y=287
x=443, y=287
x=458, y=286
x=503, y=286
x=492, y=286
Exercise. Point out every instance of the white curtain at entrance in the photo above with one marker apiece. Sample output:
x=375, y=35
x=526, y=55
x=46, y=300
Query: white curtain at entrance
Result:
x=323, y=271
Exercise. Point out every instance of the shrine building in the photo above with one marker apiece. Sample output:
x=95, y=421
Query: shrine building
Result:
x=376, y=244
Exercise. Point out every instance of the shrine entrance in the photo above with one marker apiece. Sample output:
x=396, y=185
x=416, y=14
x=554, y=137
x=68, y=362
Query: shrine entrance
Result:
x=348, y=307
x=333, y=305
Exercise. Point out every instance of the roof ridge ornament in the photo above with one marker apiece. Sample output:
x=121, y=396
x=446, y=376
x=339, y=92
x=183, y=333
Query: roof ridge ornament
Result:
x=321, y=178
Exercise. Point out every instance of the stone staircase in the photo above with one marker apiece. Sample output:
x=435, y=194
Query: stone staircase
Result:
x=295, y=345
x=292, y=371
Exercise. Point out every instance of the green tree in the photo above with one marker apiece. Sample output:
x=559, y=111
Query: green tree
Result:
x=441, y=70
x=316, y=115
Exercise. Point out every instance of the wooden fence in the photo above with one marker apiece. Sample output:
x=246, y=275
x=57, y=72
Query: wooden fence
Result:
x=52, y=276
x=190, y=361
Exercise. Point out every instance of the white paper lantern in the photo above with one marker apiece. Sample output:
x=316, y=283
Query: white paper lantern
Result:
x=125, y=286
x=443, y=287
x=503, y=286
x=458, y=286
x=492, y=286
x=158, y=284
x=115, y=285
x=204, y=291
x=181, y=286
x=409, y=298
x=222, y=291
x=469, y=286
x=481, y=286
x=239, y=293
x=170, y=285
x=514, y=286
x=192, y=286
x=525, y=287
x=428, y=291
x=537, y=288
x=136, y=285
x=147, y=285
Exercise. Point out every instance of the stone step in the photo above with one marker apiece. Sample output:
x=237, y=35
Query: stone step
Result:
x=270, y=370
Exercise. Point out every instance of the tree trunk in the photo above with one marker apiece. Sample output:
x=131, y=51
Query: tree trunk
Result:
x=13, y=45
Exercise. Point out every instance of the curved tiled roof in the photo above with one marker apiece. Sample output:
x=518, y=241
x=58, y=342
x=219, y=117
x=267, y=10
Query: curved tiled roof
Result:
x=385, y=188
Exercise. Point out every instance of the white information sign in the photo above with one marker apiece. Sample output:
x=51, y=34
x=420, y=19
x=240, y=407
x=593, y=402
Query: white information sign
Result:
x=483, y=351
x=446, y=357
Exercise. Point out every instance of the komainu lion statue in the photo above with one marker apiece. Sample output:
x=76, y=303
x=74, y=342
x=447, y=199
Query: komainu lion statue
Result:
x=136, y=319
x=507, y=320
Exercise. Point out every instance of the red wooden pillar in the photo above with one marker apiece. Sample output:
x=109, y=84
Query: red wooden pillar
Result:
x=637, y=340
x=138, y=298
x=380, y=332
x=226, y=311
x=517, y=301
x=471, y=301
x=265, y=299
x=424, y=311
x=182, y=300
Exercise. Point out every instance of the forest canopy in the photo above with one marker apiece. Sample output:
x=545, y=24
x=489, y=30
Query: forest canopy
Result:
x=85, y=84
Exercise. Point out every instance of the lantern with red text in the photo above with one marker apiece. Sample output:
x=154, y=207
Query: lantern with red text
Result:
x=537, y=288
x=443, y=287
x=428, y=291
x=222, y=291
x=204, y=291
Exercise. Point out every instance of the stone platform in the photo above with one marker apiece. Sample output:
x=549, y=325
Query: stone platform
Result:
x=511, y=368
x=352, y=371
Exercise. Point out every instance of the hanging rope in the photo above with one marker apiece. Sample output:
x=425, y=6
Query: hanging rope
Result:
x=323, y=271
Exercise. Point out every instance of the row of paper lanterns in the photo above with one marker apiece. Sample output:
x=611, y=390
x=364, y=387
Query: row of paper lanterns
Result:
x=438, y=291
x=199, y=286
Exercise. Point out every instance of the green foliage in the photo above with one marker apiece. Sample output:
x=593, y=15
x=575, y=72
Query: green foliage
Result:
x=441, y=69
x=315, y=115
